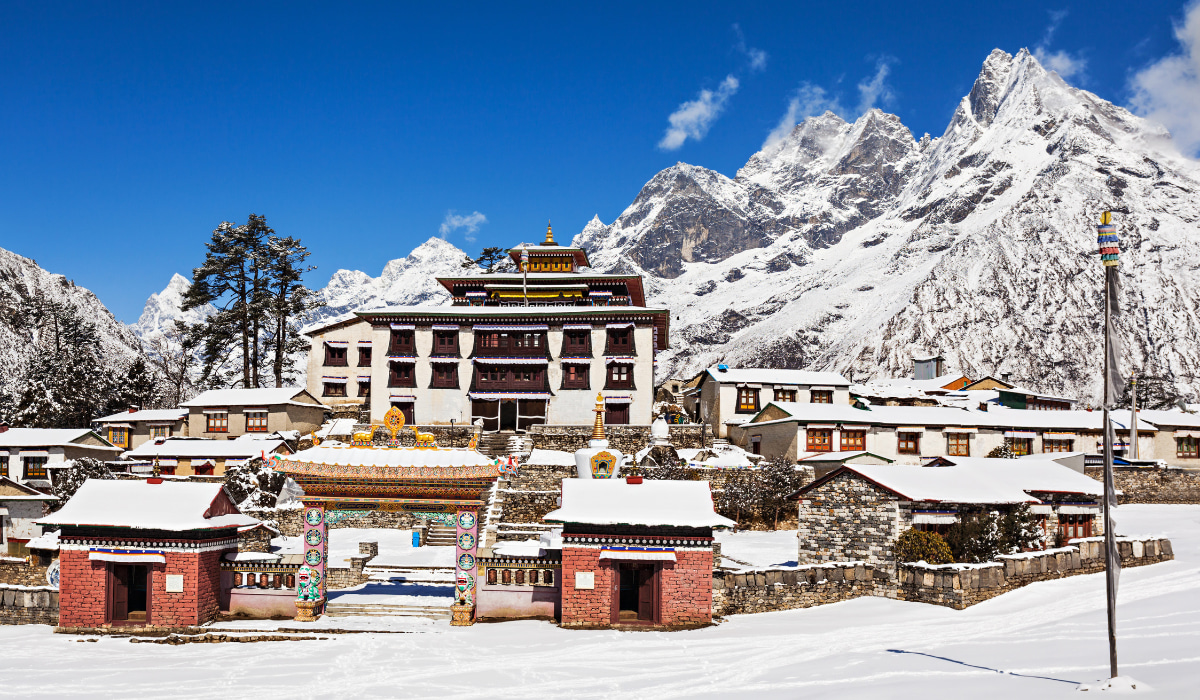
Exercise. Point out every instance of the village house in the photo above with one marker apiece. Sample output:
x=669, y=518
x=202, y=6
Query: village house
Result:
x=134, y=427
x=230, y=413
x=636, y=552
x=143, y=553
x=857, y=512
x=511, y=351
x=21, y=507
x=913, y=435
x=30, y=455
x=1177, y=440
x=201, y=456
x=726, y=397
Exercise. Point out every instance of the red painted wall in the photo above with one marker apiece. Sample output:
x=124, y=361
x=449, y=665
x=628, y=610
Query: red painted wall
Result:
x=685, y=597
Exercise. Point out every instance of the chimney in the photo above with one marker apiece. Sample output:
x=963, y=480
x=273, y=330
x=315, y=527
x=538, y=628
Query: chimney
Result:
x=1006, y=377
x=3, y=427
x=134, y=409
x=633, y=479
x=722, y=368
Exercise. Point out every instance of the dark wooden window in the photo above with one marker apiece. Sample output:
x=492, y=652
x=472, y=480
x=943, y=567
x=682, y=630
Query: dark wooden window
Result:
x=1057, y=445
x=616, y=413
x=620, y=341
x=1187, y=447
x=203, y=470
x=256, y=421
x=364, y=388
x=335, y=355
x=854, y=440
x=35, y=467
x=402, y=374
x=3, y=465
x=514, y=378
x=216, y=422
x=1072, y=526
x=334, y=389
x=364, y=356
x=1020, y=446
x=819, y=440
x=820, y=396
x=510, y=344
x=575, y=376
x=577, y=344
x=785, y=395
x=958, y=444
x=445, y=375
x=167, y=470
x=747, y=400
x=402, y=344
x=620, y=376
x=445, y=343
x=908, y=443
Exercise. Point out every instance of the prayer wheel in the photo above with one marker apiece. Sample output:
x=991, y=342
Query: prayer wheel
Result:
x=277, y=581
x=290, y=581
x=237, y=578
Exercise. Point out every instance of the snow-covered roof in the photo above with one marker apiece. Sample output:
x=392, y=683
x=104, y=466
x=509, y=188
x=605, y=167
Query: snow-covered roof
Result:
x=650, y=503
x=936, y=484
x=940, y=416
x=837, y=456
x=200, y=447
x=789, y=377
x=392, y=456
x=1030, y=474
x=1172, y=419
x=170, y=505
x=551, y=458
x=249, y=397
x=27, y=493
x=937, y=384
x=149, y=414
x=536, y=311
x=51, y=437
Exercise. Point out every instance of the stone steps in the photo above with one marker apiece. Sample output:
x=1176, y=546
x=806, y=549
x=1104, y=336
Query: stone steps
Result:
x=433, y=612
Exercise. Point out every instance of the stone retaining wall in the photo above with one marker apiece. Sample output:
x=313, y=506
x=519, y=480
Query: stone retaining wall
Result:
x=1152, y=485
x=22, y=572
x=349, y=577
x=626, y=438
x=289, y=522
x=802, y=587
x=963, y=585
x=28, y=605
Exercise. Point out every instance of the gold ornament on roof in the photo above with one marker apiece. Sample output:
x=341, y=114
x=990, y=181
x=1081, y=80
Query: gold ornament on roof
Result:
x=549, y=235
x=598, y=428
x=425, y=441
x=393, y=420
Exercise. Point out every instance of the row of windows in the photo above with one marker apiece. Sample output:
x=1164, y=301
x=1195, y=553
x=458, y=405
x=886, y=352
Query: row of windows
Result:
x=256, y=422
x=957, y=444
x=33, y=467
x=748, y=398
x=576, y=343
x=1187, y=447
x=445, y=376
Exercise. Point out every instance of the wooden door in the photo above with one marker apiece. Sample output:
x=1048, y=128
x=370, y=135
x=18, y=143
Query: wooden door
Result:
x=647, y=594
x=119, y=585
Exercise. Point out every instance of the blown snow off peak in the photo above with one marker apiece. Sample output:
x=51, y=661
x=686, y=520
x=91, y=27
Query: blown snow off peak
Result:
x=853, y=246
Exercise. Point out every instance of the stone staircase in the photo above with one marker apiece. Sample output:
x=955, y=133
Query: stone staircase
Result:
x=432, y=612
x=495, y=444
x=441, y=535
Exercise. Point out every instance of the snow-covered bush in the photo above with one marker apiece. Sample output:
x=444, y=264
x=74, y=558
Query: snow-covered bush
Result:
x=979, y=537
x=254, y=485
x=1001, y=452
x=918, y=545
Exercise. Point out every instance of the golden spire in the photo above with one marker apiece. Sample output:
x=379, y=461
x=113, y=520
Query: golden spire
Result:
x=549, y=235
x=598, y=428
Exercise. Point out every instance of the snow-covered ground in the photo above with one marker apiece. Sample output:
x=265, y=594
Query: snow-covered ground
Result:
x=1035, y=642
x=395, y=548
x=751, y=548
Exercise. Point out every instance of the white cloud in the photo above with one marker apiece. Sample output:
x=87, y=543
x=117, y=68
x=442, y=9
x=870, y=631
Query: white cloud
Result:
x=469, y=222
x=756, y=57
x=693, y=118
x=1168, y=90
x=876, y=91
x=809, y=100
x=1061, y=62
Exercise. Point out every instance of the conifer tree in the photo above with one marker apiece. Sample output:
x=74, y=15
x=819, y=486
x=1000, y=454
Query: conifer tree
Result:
x=67, y=384
x=288, y=300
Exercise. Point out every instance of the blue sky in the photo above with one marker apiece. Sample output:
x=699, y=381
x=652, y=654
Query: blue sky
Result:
x=129, y=131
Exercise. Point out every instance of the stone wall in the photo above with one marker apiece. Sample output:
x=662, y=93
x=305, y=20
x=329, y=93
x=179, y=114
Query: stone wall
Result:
x=963, y=585
x=803, y=587
x=626, y=438
x=1152, y=484
x=348, y=577
x=28, y=605
x=847, y=519
x=22, y=572
x=532, y=494
x=290, y=522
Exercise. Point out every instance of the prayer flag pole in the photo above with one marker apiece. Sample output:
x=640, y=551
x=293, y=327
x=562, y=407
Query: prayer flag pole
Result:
x=1106, y=236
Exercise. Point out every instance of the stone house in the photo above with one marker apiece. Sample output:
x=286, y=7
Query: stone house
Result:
x=1177, y=440
x=21, y=507
x=727, y=397
x=134, y=427
x=230, y=413
x=512, y=350
x=30, y=455
x=143, y=553
x=201, y=456
x=636, y=553
x=857, y=512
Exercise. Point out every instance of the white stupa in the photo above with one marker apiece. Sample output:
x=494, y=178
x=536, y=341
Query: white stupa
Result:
x=596, y=461
x=660, y=433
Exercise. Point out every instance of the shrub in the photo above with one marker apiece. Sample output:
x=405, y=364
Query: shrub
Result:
x=980, y=537
x=1002, y=452
x=918, y=545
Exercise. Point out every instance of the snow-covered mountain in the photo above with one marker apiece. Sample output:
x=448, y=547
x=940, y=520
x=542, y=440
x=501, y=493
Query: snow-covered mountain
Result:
x=163, y=309
x=23, y=282
x=854, y=246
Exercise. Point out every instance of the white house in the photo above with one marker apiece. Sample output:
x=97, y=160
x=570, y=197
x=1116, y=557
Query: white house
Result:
x=728, y=396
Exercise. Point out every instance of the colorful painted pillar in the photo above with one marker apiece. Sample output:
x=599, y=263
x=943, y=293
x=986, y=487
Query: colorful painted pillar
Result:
x=310, y=593
x=466, y=550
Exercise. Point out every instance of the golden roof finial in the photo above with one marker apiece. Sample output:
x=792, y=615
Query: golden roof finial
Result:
x=549, y=235
x=598, y=428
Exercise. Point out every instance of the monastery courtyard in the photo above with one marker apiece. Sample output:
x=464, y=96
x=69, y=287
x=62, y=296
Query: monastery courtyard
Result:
x=1038, y=641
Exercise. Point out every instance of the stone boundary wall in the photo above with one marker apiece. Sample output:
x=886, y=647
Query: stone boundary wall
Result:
x=1152, y=484
x=22, y=572
x=28, y=605
x=960, y=586
x=803, y=587
x=289, y=521
x=349, y=577
x=626, y=438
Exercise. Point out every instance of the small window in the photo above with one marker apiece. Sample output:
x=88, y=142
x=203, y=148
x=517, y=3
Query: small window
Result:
x=256, y=421
x=160, y=431
x=445, y=375
x=35, y=467
x=402, y=344
x=401, y=374
x=1073, y=526
x=364, y=388
x=217, y=422
x=577, y=344
x=756, y=444
x=335, y=355
x=445, y=343
x=958, y=444
x=908, y=443
x=1057, y=445
x=203, y=470
x=364, y=356
x=119, y=437
x=820, y=396
x=334, y=389
x=575, y=376
x=166, y=471
x=785, y=395
x=853, y=440
x=3, y=466
x=819, y=440
x=620, y=376
x=1187, y=447
x=406, y=407
x=1020, y=446
x=620, y=341
x=747, y=400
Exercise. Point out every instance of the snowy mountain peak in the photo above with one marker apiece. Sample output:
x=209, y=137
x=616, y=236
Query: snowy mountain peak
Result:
x=163, y=309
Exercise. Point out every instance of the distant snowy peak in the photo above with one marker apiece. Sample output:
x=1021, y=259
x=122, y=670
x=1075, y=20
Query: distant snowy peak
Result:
x=163, y=309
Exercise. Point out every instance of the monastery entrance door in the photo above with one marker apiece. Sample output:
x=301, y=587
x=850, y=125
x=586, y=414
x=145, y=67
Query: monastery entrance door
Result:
x=129, y=592
x=637, y=594
x=508, y=414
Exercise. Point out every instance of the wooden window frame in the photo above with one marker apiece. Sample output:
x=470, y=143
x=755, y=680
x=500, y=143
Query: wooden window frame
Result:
x=364, y=394
x=611, y=379
x=1051, y=445
x=818, y=439
x=112, y=437
x=958, y=444
x=820, y=396
x=908, y=443
x=784, y=395
x=747, y=400
x=572, y=349
x=336, y=356
x=582, y=381
x=849, y=443
x=256, y=424
x=402, y=343
x=620, y=341
x=334, y=390
x=159, y=431
x=1019, y=446
x=34, y=467
x=364, y=356
x=1187, y=447
x=396, y=379
x=448, y=378
x=445, y=349
x=215, y=424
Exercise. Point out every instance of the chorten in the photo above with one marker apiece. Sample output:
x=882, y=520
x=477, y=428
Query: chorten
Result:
x=596, y=461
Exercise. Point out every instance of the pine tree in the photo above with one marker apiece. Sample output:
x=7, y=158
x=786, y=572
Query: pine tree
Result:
x=491, y=259
x=1154, y=392
x=288, y=300
x=137, y=387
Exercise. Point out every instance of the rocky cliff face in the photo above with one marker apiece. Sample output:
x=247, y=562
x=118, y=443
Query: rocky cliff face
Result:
x=854, y=246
